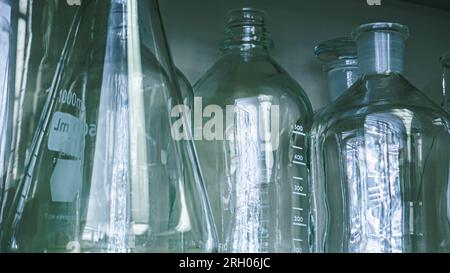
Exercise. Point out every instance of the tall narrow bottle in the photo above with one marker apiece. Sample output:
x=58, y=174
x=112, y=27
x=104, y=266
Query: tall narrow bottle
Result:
x=251, y=143
x=445, y=62
x=340, y=62
x=381, y=158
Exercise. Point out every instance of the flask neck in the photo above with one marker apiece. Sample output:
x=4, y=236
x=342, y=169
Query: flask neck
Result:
x=381, y=48
x=110, y=23
x=246, y=32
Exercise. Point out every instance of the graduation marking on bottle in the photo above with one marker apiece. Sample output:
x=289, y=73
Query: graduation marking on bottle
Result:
x=298, y=166
x=299, y=130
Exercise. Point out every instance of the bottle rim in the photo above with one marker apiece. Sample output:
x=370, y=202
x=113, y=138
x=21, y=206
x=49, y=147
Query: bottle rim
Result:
x=341, y=48
x=381, y=27
x=245, y=16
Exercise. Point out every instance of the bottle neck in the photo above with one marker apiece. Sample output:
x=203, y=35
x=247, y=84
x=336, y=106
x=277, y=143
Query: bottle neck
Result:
x=247, y=39
x=341, y=75
x=246, y=32
x=381, y=52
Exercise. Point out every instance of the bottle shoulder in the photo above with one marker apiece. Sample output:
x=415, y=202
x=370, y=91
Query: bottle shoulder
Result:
x=389, y=99
x=234, y=77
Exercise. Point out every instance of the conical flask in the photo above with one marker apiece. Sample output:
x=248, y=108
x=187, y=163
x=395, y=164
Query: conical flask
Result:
x=43, y=216
x=445, y=62
x=252, y=145
x=146, y=192
x=43, y=33
x=381, y=158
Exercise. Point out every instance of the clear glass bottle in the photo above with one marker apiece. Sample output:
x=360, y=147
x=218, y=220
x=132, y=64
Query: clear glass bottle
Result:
x=132, y=187
x=381, y=158
x=445, y=62
x=251, y=143
x=340, y=61
x=45, y=28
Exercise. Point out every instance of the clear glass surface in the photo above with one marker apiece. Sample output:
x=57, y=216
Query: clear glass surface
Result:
x=125, y=184
x=252, y=145
x=381, y=157
x=43, y=25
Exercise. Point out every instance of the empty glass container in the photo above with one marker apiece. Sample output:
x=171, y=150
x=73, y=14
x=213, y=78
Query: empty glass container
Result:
x=251, y=120
x=381, y=158
x=43, y=27
x=133, y=186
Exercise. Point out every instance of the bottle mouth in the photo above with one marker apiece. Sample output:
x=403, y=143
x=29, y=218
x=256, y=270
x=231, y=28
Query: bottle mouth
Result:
x=336, y=49
x=246, y=17
x=445, y=59
x=381, y=27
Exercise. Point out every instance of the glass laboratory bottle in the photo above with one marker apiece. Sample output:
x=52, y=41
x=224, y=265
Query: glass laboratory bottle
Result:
x=251, y=143
x=43, y=28
x=381, y=158
x=340, y=62
x=445, y=62
x=145, y=189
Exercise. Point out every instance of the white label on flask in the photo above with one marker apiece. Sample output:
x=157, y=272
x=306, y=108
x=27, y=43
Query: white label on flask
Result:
x=65, y=182
x=66, y=134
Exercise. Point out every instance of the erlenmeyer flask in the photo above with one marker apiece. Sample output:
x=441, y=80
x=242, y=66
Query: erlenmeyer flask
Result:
x=253, y=148
x=146, y=192
x=45, y=24
x=43, y=216
x=381, y=158
x=445, y=62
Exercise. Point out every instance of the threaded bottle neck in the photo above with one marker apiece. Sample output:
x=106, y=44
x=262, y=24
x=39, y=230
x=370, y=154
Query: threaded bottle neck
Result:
x=381, y=47
x=246, y=30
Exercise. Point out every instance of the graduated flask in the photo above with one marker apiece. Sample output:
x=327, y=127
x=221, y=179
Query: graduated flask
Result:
x=445, y=62
x=142, y=190
x=251, y=143
x=381, y=158
x=43, y=26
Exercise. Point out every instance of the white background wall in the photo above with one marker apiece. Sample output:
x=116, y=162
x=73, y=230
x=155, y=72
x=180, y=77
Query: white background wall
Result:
x=195, y=27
